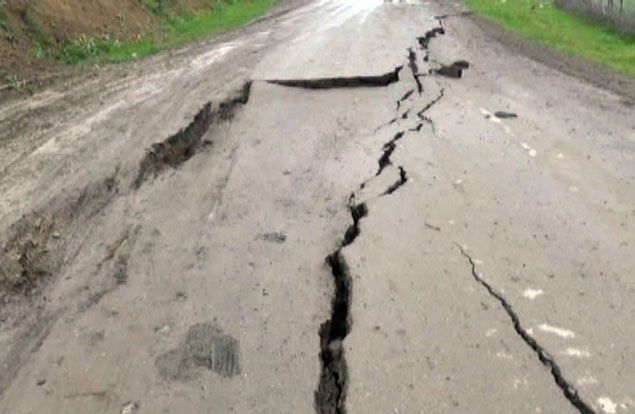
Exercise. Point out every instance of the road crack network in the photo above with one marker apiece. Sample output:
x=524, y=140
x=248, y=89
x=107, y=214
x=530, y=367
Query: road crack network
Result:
x=331, y=392
x=330, y=395
x=568, y=390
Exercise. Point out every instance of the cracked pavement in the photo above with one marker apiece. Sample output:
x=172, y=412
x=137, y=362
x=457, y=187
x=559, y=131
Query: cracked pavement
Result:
x=332, y=210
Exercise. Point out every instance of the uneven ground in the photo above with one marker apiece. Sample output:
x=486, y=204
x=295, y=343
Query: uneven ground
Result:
x=333, y=210
x=37, y=37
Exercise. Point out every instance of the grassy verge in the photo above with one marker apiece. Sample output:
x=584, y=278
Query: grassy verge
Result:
x=544, y=22
x=178, y=29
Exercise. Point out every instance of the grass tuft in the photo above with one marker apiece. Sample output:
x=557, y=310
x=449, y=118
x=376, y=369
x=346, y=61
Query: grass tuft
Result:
x=4, y=21
x=544, y=22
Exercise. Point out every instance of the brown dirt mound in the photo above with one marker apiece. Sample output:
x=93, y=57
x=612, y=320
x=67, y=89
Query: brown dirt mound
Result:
x=29, y=28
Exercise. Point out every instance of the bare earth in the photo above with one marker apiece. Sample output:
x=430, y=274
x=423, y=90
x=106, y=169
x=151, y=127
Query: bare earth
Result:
x=347, y=206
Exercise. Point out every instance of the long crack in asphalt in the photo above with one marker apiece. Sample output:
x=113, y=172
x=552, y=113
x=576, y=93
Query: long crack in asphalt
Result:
x=330, y=395
x=376, y=81
x=568, y=390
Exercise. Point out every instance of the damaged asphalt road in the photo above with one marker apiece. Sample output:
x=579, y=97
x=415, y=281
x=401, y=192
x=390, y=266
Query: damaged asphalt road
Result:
x=324, y=212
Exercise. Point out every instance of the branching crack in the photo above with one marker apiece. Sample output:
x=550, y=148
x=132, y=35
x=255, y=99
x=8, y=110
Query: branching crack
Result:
x=430, y=105
x=424, y=41
x=388, y=149
x=330, y=395
x=568, y=390
x=403, y=179
x=376, y=81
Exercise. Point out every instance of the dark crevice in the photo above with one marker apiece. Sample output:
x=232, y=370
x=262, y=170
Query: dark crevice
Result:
x=417, y=128
x=405, y=97
x=403, y=178
x=430, y=105
x=454, y=71
x=463, y=64
x=387, y=124
x=183, y=145
x=388, y=148
x=330, y=395
x=384, y=160
x=424, y=41
x=341, y=82
x=570, y=393
x=358, y=212
x=412, y=64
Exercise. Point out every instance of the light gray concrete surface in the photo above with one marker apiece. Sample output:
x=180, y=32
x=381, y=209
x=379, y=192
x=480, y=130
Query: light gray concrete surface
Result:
x=490, y=273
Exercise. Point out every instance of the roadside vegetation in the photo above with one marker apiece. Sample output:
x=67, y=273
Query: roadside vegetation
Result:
x=570, y=33
x=177, y=29
x=82, y=32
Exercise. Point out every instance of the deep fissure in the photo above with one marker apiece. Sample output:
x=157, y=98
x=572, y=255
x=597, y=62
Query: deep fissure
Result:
x=388, y=148
x=330, y=395
x=570, y=393
x=376, y=81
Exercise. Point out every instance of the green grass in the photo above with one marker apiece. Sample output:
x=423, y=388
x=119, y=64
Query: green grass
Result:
x=4, y=21
x=566, y=32
x=178, y=29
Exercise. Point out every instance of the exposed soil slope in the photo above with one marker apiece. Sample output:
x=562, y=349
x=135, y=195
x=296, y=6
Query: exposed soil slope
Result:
x=32, y=28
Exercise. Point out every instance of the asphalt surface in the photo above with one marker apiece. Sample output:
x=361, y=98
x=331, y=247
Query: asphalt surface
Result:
x=380, y=211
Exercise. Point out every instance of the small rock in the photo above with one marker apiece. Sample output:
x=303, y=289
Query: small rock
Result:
x=56, y=235
x=41, y=382
x=128, y=408
x=278, y=237
x=505, y=115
